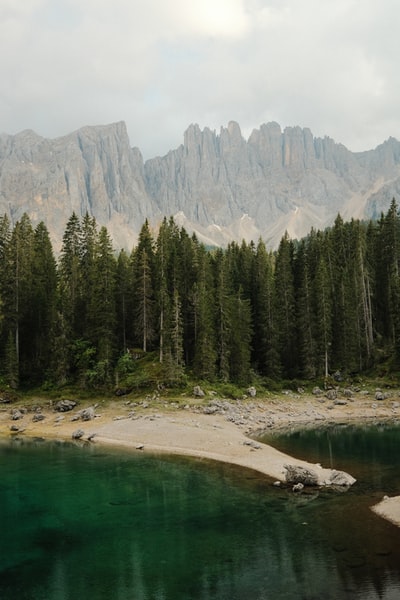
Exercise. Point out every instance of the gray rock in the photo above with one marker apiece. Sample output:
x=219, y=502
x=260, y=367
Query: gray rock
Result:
x=210, y=410
x=299, y=474
x=340, y=478
x=331, y=394
x=298, y=487
x=65, y=405
x=16, y=414
x=252, y=444
x=38, y=417
x=78, y=434
x=317, y=391
x=87, y=414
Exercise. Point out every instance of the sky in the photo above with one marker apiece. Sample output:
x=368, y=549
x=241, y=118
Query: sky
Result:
x=160, y=65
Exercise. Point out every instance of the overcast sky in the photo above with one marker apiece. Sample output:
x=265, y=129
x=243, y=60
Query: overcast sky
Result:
x=159, y=65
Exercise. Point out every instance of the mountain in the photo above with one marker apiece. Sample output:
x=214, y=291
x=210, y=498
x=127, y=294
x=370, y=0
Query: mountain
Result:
x=221, y=186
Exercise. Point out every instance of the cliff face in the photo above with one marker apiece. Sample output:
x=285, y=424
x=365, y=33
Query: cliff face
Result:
x=280, y=180
x=93, y=169
x=218, y=185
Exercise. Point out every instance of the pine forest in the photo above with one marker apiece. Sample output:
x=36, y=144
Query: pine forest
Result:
x=173, y=309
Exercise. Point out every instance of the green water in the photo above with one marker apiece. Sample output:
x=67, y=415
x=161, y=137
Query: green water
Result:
x=80, y=522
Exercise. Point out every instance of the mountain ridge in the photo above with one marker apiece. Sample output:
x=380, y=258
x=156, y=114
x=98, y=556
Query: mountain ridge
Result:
x=218, y=185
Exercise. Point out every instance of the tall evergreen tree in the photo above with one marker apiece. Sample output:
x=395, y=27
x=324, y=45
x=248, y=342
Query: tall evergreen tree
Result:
x=285, y=307
x=222, y=315
x=17, y=293
x=102, y=309
x=204, y=362
x=387, y=277
x=124, y=309
x=43, y=301
x=323, y=318
x=265, y=352
x=70, y=277
x=305, y=311
x=144, y=295
x=241, y=335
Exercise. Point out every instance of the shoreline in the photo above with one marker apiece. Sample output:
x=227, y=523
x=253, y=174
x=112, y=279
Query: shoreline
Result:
x=221, y=430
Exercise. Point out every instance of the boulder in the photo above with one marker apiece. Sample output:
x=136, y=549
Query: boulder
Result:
x=87, y=414
x=331, y=394
x=38, y=417
x=341, y=478
x=198, y=392
x=317, y=391
x=77, y=434
x=298, y=474
x=298, y=487
x=65, y=405
x=16, y=414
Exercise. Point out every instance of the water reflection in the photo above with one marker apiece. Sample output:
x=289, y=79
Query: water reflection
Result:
x=77, y=524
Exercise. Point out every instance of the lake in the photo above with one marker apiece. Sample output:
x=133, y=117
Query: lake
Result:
x=81, y=521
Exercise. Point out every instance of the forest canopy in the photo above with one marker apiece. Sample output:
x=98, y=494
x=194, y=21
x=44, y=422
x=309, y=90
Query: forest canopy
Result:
x=328, y=302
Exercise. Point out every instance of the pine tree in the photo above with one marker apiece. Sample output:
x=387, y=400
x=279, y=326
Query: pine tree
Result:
x=144, y=298
x=222, y=315
x=205, y=356
x=240, y=338
x=284, y=308
x=17, y=296
x=387, y=261
x=70, y=278
x=323, y=317
x=87, y=272
x=102, y=310
x=305, y=314
x=173, y=360
x=265, y=352
x=5, y=235
x=124, y=309
x=43, y=301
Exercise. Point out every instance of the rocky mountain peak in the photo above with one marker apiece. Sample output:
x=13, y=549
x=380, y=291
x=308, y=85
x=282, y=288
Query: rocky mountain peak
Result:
x=221, y=186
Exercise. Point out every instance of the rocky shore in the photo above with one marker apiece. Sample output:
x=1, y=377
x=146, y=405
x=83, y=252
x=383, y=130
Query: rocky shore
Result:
x=210, y=428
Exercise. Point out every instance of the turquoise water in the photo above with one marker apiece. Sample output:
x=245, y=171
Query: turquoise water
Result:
x=80, y=522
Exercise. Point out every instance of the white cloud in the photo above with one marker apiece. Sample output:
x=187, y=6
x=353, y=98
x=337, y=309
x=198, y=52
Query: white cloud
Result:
x=160, y=65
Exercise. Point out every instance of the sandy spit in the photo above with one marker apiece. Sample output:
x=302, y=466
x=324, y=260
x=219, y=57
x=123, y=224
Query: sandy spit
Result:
x=226, y=435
